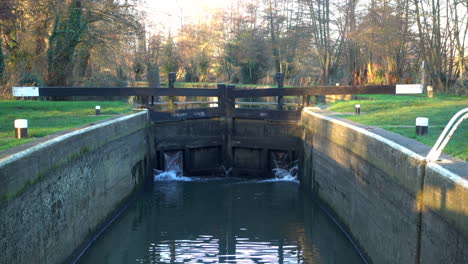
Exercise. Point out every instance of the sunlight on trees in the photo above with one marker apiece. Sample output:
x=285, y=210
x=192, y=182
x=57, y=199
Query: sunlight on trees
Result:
x=313, y=42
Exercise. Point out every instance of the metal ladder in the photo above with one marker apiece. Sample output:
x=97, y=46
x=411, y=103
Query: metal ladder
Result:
x=444, y=138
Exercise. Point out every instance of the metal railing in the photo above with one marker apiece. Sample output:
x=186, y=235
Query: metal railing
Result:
x=448, y=132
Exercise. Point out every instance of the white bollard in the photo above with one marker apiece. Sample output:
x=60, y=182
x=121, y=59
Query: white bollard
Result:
x=357, y=109
x=98, y=110
x=422, y=124
x=21, y=128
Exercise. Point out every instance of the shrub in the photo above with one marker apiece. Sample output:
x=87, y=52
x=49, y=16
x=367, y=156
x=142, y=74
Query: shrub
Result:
x=31, y=79
x=104, y=79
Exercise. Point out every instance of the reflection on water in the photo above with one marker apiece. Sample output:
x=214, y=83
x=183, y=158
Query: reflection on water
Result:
x=222, y=221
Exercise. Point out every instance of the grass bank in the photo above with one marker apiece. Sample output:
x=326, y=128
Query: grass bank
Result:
x=395, y=113
x=46, y=117
x=398, y=113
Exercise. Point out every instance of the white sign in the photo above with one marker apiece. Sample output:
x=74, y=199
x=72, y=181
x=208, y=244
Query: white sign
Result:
x=25, y=91
x=409, y=89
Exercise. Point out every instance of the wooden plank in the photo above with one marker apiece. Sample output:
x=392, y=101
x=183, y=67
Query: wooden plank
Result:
x=139, y=91
x=184, y=114
x=265, y=103
x=276, y=143
x=177, y=143
x=190, y=103
x=322, y=90
x=94, y=91
x=267, y=114
x=125, y=91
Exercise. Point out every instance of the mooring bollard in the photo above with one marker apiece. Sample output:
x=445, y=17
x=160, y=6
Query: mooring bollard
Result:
x=430, y=92
x=98, y=110
x=21, y=128
x=422, y=124
x=357, y=109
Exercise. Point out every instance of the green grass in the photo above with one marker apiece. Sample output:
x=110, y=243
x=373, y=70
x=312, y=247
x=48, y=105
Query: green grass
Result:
x=45, y=117
x=398, y=113
x=391, y=112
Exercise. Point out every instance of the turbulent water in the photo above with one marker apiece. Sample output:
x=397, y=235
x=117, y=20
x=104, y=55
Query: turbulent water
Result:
x=223, y=220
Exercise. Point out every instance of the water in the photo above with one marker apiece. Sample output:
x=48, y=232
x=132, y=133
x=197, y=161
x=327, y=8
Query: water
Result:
x=222, y=221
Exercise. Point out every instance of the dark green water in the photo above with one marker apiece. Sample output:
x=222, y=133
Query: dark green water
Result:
x=222, y=221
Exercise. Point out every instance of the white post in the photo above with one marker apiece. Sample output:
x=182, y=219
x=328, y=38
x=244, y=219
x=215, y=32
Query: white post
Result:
x=21, y=128
x=357, y=109
x=422, y=124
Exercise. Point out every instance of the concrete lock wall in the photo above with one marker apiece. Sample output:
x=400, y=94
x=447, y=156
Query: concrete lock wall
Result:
x=55, y=194
x=444, y=234
x=396, y=208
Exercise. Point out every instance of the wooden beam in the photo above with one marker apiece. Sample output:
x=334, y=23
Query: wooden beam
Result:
x=185, y=114
x=184, y=142
x=321, y=90
x=267, y=114
x=271, y=142
x=125, y=91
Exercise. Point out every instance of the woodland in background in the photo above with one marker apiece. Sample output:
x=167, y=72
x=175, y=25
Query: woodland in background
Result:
x=313, y=42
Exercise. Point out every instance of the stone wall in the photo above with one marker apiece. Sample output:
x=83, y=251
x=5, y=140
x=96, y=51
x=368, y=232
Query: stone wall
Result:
x=55, y=194
x=375, y=181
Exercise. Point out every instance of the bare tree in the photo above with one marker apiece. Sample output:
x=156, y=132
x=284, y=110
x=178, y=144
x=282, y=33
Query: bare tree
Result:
x=326, y=38
x=442, y=41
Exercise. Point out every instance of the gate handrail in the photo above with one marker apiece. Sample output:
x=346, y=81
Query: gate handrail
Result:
x=446, y=134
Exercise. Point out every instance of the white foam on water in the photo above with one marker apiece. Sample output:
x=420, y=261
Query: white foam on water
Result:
x=169, y=176
x=285, y=175
x=227, y=171
x=284, y=179
x=173, y=163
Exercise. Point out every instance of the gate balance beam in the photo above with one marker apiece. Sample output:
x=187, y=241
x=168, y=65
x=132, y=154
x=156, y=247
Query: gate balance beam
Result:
x=110, y=91
x=139, y=91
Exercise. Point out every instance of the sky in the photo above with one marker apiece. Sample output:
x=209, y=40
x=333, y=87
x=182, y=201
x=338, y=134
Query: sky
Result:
x=168, y=15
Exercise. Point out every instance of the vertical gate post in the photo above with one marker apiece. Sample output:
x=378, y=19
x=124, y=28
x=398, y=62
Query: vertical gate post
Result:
x=305, y=100
x=280, y=81
x=153, y=81
x=222, y=98
x=226, y=103
x=172, y=79
x=230, y=106
x=230, y=100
